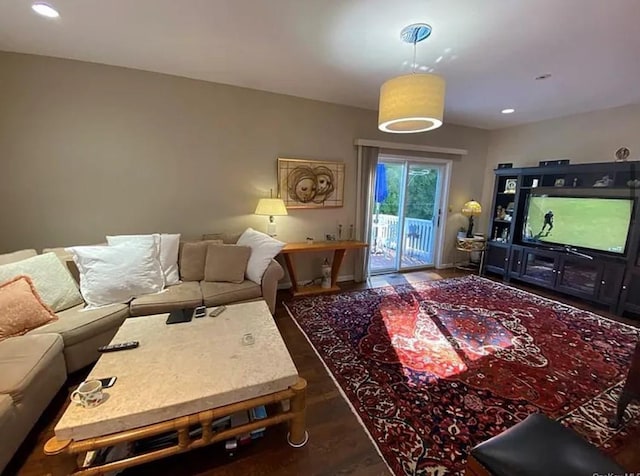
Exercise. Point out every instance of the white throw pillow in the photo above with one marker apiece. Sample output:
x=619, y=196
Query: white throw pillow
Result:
x=117, y=273
x=52, y=280
x=168, y=247
x=263, y=249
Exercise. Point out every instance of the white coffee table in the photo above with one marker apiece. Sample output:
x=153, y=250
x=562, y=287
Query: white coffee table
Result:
x=183, y=375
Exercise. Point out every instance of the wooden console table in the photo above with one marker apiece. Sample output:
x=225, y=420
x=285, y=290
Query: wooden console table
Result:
x=339, y=249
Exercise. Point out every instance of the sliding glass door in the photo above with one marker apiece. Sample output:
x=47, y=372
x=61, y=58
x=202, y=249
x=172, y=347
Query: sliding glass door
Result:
x=406, y=215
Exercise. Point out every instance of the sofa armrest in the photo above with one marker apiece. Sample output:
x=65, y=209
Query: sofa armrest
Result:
x=272, y=275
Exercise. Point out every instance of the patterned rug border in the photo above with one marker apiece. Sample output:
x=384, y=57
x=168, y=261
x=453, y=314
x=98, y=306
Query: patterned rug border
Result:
x=507, y=285
x=587, y=314
x=340, y=389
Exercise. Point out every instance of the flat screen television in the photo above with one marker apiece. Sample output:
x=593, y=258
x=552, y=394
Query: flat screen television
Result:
x=599, y=223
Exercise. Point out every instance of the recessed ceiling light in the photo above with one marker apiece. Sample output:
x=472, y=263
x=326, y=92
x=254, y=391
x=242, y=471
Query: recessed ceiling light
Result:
x=508, y=111
x=45, y=10
x=543, y=76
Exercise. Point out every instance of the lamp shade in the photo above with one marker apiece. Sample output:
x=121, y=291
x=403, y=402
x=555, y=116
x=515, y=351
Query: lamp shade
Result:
x=411, y=103
x=271, y=207
x=471, y=208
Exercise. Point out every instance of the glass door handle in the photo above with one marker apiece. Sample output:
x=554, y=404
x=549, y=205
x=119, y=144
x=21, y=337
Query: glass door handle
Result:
x=439, y=216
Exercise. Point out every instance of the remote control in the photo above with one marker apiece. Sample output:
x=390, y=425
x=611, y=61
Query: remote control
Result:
x=217, y=311
x=116, y=347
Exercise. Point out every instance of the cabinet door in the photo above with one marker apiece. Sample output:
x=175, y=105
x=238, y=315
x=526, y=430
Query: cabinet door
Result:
x=630, y=298
x=579, y=276
x=496, y=258
x=539, y=267
x=611, y=283
x=515, y=263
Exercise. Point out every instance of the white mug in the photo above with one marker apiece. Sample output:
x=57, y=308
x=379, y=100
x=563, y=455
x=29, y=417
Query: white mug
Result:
x=88, y=394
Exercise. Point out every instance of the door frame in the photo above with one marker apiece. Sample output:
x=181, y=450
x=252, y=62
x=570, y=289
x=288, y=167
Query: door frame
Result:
x=447, y=166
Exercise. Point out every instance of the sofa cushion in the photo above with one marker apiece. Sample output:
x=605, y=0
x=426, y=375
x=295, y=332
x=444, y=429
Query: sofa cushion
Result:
x=67, y=259
x=226, y=238
x=193, y=255
x=215, y=294
x=168, y=245
x=118, y=273
x=226, y=263
x=21, y=308
x=52, y=280
x=263, y=249
x=17, y=256
x=178, y=296
x=23, y=359
x=78, y=324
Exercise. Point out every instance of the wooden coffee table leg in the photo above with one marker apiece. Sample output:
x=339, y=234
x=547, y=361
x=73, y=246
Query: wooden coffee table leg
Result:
x=54, y=446
x=298, y=435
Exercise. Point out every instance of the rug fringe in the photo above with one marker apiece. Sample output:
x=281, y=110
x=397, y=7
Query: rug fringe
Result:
x=344, y=395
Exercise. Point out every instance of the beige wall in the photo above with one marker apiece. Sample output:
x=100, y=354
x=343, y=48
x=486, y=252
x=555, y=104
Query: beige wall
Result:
x=89, y=150
x=588, y=137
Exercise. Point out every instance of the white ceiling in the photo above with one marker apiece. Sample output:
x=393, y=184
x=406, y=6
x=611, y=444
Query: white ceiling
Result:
x=342, y=50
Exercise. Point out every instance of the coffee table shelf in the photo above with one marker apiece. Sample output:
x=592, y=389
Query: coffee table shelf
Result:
x=296, y=395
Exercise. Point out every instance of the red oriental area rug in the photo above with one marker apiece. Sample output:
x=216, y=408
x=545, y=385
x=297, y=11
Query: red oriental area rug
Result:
x=434, y=368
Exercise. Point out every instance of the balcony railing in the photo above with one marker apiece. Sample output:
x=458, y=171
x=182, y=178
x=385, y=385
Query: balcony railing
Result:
x=418, y=236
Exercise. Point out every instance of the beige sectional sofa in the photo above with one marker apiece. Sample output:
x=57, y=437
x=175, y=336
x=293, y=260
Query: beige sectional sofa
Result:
x=33, y=367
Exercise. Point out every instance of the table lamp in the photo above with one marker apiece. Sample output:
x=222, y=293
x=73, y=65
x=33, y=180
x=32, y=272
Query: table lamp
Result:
x=471, y=209
x=271, y=207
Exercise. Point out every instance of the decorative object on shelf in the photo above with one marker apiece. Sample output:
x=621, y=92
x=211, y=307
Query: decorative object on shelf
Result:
x=622, y=154
x=309, y=240
x=507, y=165
x=311, y=183
x=330, y=237
x=326, y=274
x=412, y=102
x=605, y=181
x=500, y=213
x=351, y=234
x=535, y=182
x=576, y=182
x=477, y=243
x=553, y=163
x=339, y=231
x=510, y=185
x=271, y=207
x=505, y=235
x=471, y=209
x=510, y=207
x=462, y=233
x=559, y=182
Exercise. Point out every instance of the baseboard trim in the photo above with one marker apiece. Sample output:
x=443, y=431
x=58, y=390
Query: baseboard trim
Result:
x=446, y=266
x=287, y=284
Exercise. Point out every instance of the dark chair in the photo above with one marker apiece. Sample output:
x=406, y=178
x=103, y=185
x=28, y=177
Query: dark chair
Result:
x=539, y=446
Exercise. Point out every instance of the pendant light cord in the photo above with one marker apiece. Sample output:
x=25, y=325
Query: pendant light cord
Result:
x=414, y=56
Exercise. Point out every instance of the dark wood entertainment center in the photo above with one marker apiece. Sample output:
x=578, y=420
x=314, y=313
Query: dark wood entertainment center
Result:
x=609, y=279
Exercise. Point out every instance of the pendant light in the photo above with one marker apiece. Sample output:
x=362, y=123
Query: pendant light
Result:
x=412, y=102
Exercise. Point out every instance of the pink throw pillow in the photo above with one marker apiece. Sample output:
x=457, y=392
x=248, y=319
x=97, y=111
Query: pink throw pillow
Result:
x=21, y=308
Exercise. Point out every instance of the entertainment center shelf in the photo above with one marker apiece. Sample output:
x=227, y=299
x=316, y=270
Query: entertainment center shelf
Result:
x=569, y=250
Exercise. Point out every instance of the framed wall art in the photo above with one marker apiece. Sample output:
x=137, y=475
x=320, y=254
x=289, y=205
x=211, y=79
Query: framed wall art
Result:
x=311, y=183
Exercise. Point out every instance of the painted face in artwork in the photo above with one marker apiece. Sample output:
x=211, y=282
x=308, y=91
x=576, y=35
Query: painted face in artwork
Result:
x=305, y=189
x=324, y=179
x=324, y=184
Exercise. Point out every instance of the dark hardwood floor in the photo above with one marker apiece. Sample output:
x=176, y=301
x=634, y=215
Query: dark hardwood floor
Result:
x=337, y=446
